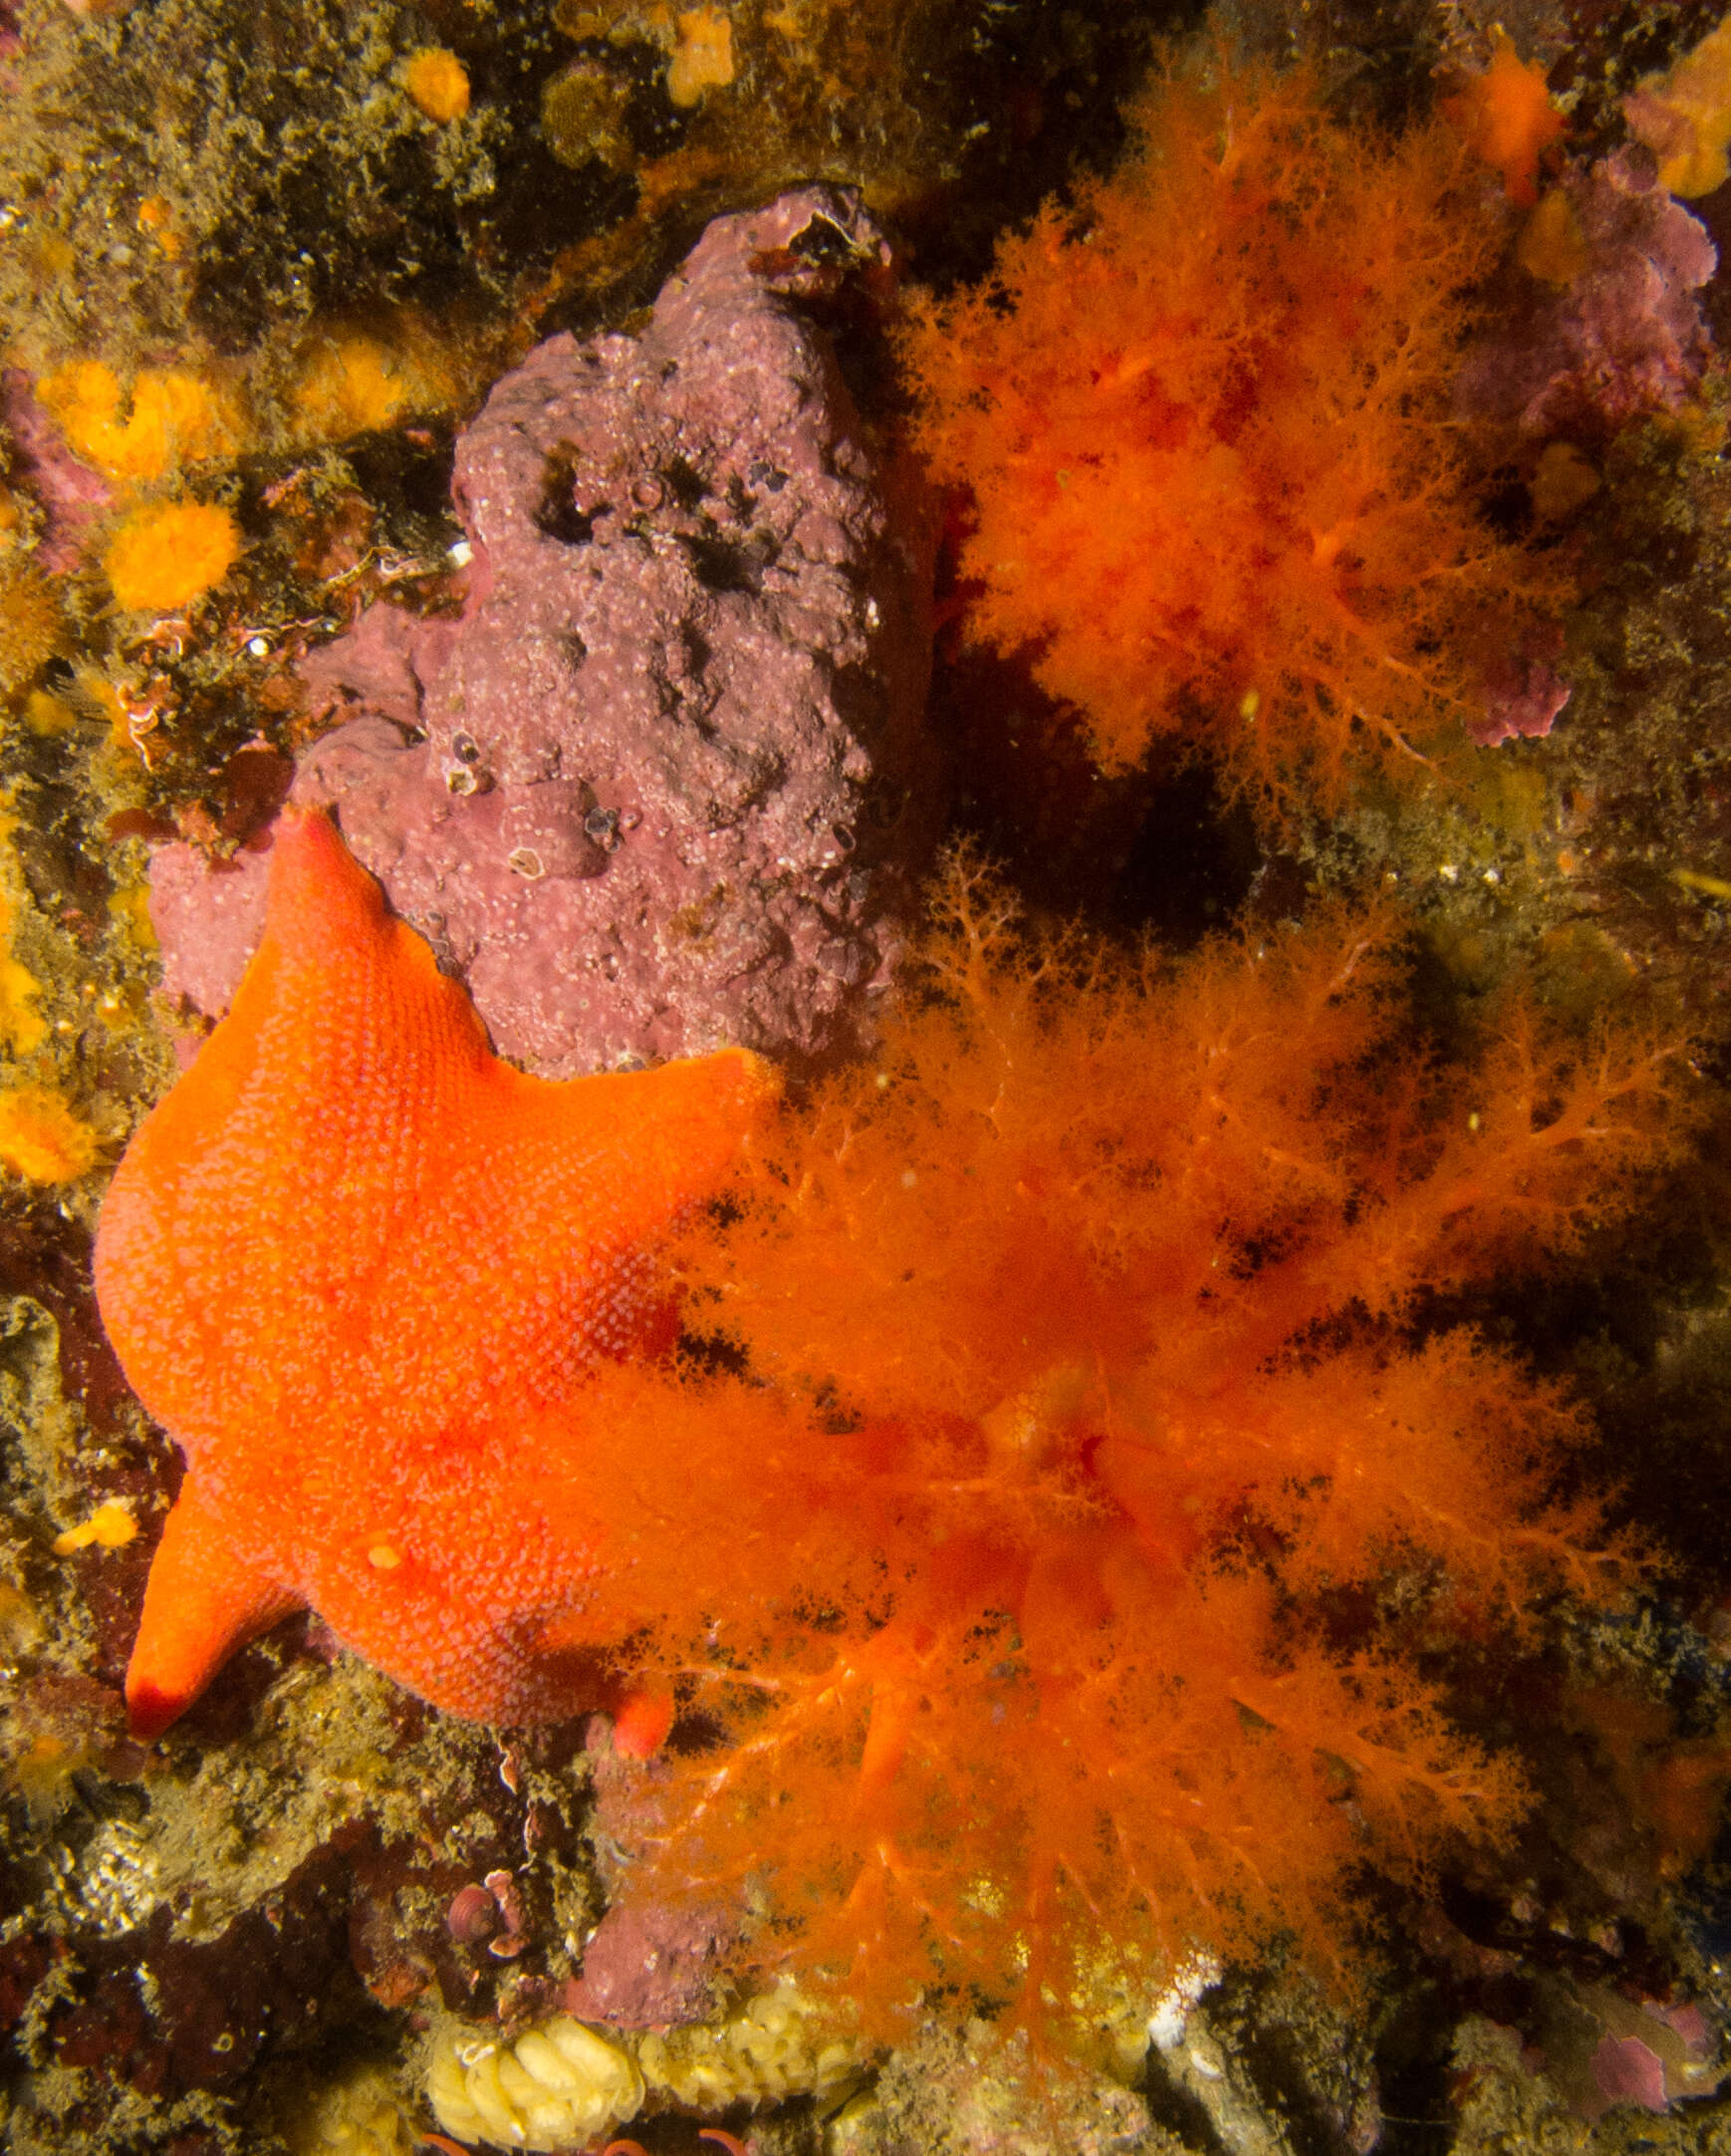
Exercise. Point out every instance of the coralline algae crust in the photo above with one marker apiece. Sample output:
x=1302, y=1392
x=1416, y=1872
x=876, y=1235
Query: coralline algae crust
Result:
x=640, y=794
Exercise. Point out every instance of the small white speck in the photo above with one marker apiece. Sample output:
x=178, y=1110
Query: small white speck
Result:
x=259, y=646
x=1491, y=876
x=459, y=553
x=1449, y=873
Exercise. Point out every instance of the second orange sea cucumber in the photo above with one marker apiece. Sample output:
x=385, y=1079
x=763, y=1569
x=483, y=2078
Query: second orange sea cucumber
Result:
x=1203, y=422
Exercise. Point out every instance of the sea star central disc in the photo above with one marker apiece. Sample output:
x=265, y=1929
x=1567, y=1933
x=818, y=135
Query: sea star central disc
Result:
x=362, y=1271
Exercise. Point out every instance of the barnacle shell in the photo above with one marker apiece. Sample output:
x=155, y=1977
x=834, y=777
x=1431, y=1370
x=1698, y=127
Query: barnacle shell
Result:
x=560, y=2085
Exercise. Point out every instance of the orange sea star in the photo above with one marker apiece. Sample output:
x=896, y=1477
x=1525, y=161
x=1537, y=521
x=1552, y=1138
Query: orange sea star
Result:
x=362, y=1270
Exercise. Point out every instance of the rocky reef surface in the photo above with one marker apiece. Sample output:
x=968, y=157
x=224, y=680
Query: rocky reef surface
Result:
x=265, y=258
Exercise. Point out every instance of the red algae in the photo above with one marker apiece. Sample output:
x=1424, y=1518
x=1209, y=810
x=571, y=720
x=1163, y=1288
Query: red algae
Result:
x=1057, y=1569
x=1206, y=420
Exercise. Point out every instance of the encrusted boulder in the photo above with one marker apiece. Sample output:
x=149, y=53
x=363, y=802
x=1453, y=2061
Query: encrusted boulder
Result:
x=655, y=788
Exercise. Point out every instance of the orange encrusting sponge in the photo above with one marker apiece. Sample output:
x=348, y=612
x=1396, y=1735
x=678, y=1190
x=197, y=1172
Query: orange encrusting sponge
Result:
x=1507, y=119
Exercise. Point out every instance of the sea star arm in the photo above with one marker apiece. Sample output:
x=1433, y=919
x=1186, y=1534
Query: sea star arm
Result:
x=359, y=1268
x=201, y=1603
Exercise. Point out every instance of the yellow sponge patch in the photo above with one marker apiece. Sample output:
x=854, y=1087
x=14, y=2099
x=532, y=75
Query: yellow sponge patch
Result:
x=167, y=554
x=702, y=55
x=109, y=1526
x=353, y=384
x=23, y=1028
x=41, y=1138
x=170, y=417
x=1684, y=116
x=438, y=82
